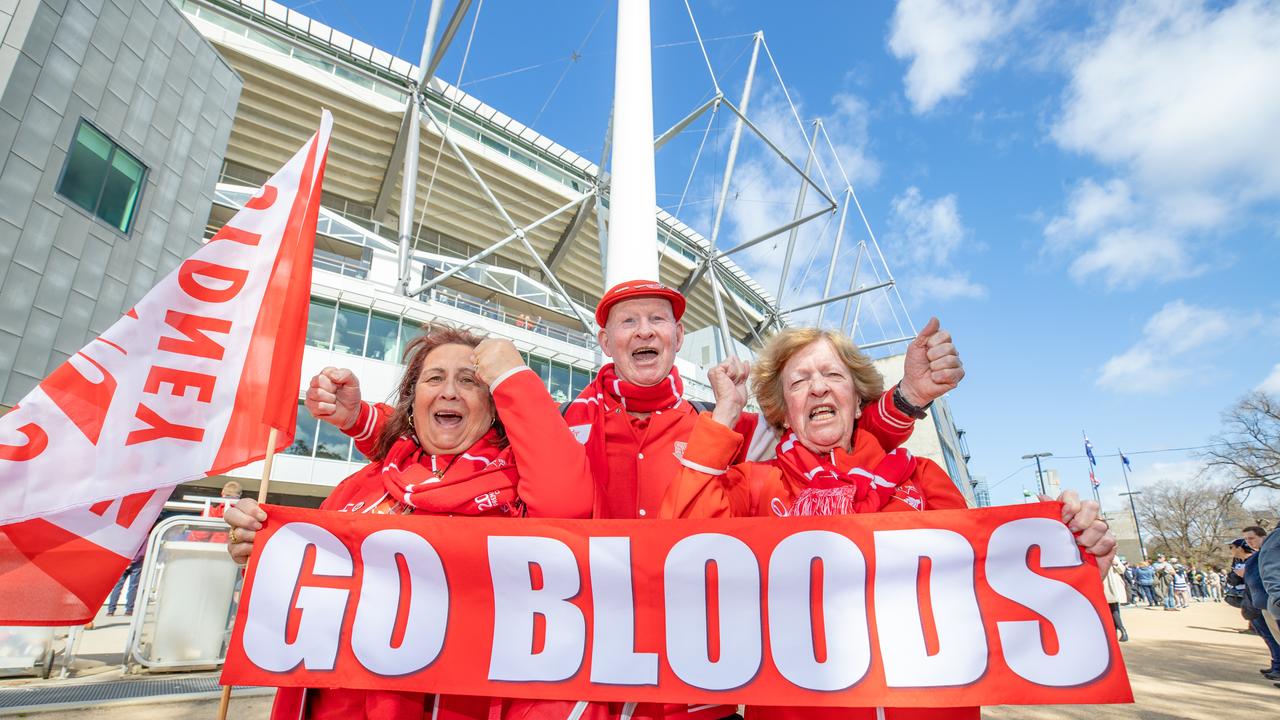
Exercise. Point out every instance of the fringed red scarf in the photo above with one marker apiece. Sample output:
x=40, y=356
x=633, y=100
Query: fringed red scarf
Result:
x=479, y=481
x=588, y=408
x=832, y=491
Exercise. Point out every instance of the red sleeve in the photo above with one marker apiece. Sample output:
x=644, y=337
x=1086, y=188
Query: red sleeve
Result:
x=368, y=426
x=708, y=485
x=940, y=493
x=555, y=478
x=888, y=425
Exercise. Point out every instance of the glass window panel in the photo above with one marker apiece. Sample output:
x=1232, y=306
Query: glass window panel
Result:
x=320, y=323
x=331, y=443
x=120, y=193
x=561, y=382
x=350, y=330
x=540, y=366
x=384, y=338
x=581, y=378
x=304, y=433
x=409, y=329
x=86, y=167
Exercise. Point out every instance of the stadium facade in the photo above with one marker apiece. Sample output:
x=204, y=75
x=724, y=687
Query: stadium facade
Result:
x=286, y=68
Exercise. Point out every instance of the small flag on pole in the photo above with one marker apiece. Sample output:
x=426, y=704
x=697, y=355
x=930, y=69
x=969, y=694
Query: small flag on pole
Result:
x=188, y=383
x=1125, y=460
x=1088, y=450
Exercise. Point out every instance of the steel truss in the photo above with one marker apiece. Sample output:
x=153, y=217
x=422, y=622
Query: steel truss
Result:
x=710, y=263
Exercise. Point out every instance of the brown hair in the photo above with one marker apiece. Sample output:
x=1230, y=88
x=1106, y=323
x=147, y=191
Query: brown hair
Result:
x=415, y=354
x=766, y=373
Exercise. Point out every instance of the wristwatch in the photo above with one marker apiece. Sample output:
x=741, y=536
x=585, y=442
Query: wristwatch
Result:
x=907, y=408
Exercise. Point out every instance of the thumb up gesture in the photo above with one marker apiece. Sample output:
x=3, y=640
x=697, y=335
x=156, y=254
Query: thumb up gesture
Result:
x=932, y=366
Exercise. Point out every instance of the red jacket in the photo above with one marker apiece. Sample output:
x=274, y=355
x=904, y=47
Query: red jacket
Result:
x=764, y=489
x=554, y=481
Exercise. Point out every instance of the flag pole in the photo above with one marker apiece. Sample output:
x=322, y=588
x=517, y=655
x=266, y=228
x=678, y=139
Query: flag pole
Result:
x=225, y=702
x=1133, y=508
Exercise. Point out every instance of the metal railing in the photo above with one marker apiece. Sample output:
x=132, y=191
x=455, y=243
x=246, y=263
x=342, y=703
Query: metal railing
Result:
x=484, y=308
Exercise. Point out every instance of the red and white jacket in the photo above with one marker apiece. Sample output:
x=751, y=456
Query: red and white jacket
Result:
x=554, y=481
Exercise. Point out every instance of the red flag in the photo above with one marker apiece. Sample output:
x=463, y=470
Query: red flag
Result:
x=187, y=384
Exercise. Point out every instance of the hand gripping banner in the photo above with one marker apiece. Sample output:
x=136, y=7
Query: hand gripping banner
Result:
x=936, y=609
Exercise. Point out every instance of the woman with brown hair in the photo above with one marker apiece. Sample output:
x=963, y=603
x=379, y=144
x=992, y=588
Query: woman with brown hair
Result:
x=473, y=432
x=812, y=385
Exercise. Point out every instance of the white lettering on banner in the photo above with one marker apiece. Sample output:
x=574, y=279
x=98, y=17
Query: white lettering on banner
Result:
x=516, y=602
x=843, y=604
x=962, y=642
x=380, y=591
x=1082, y=653
x=614, y=660
x=738, y=591
x=924, y=588
x=279, y=567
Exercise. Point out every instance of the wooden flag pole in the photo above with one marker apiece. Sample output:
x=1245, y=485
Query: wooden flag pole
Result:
x=225, y=703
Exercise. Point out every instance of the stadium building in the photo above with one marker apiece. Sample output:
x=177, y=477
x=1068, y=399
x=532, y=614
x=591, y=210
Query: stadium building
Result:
x=273, y=71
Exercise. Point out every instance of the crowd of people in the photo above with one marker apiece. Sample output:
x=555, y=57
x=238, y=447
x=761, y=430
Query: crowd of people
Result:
x=473, y=431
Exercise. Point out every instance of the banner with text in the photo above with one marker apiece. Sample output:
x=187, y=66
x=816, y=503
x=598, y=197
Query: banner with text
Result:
x=947, y=608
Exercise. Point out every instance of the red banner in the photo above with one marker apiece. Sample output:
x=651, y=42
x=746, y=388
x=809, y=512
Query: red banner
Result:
x=936, y=609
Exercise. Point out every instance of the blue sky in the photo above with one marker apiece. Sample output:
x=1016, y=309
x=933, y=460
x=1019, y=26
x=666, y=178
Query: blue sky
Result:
x=1086, y=194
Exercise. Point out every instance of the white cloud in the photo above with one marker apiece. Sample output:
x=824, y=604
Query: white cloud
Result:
x=935, y=288
x=1180, y=102
x=1159, y=359
x=1184, y=96
x=945, y=40
x=922, y=243
x=1272, y=384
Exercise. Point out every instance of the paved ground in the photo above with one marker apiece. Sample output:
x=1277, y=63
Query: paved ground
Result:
x=1191, y=664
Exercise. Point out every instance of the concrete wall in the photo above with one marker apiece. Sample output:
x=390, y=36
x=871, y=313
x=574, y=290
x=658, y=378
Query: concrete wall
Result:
x=141, y=73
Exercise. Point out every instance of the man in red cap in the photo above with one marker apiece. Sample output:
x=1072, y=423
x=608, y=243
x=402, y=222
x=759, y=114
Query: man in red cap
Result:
x=634, y=422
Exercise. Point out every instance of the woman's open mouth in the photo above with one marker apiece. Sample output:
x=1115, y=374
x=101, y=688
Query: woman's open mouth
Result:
x=447, y=418
x=822, y=412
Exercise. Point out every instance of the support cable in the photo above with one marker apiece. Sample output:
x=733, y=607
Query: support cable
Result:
x=795, y=113
x=702, y=46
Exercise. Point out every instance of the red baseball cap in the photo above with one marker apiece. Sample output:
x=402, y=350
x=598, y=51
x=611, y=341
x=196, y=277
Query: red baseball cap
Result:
x=636, y=289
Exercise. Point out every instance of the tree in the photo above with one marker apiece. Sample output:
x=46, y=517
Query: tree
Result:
x=1191, y=519
x=1249, y=448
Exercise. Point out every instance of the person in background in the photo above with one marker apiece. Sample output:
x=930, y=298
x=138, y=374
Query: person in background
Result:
x=1145, y=577
x=1269, y=573
x=1181, y=587
x=132, y=576
x=473, y=433
x=1213, y=584
x=1164, y=582
x=1255, y=594
x=1113, y=588
x=231, y=491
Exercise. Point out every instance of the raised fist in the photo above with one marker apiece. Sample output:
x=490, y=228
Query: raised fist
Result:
x=334, y=397
x=493, y=357
x=932, y=366
x=728, y=381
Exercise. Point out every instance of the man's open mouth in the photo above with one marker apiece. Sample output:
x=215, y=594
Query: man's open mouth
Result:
x=644, y=354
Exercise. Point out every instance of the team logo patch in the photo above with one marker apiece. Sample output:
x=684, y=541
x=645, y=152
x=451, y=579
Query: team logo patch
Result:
x=580, y=433
x=911, y=495
x=677, y=449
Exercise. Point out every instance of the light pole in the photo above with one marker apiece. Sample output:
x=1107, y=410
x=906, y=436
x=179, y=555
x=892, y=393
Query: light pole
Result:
x=1039, y=472
x=1134, y=509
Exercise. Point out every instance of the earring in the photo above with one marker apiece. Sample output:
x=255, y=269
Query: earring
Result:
x=411, y=426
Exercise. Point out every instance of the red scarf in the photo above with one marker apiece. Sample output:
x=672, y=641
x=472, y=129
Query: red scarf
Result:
x=588, y=410
x=478, y=481
x=828, y=490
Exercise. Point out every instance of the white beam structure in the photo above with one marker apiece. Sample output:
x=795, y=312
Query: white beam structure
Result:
x=835, y=252
x=795, y=231
x=632, y=251
x=409, y=182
